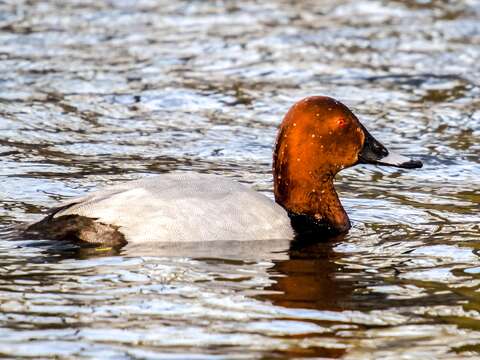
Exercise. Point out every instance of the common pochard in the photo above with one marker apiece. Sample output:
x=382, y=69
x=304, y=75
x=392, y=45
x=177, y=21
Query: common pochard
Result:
x=317, y=138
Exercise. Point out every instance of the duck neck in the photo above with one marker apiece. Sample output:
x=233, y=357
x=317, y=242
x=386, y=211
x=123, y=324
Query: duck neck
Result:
x=312, y=201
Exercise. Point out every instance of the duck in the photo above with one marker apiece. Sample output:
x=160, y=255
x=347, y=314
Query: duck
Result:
x=318, y=137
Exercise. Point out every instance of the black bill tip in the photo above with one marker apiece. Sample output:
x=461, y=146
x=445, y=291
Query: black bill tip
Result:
x=412, y=164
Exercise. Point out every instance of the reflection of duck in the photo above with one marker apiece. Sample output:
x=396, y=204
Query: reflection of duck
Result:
x=306, y=278
x=318, y=137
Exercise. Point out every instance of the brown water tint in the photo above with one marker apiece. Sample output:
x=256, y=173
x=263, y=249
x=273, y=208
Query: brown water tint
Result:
x=96, y=92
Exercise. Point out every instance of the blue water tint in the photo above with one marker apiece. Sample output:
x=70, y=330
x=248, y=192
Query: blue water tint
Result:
x=95, y=93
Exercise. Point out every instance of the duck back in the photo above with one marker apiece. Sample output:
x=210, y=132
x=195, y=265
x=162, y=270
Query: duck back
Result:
x=170, y=208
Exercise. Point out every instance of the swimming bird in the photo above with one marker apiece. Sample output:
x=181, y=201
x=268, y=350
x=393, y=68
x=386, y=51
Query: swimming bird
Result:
x=318, y=137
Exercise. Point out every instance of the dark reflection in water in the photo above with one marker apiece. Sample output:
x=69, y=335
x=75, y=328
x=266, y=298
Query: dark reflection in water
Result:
x=93, y=93
x=307, y=279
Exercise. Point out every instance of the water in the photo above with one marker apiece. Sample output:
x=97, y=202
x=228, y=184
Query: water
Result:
x=92, y=93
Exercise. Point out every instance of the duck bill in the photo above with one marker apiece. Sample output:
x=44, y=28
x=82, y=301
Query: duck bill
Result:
x=373, y=152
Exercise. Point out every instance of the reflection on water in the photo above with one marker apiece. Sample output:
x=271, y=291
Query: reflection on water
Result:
x=278, y=299
x=96, y=93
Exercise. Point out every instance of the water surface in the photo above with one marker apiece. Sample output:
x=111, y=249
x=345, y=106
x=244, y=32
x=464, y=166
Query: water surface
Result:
x=93, y=93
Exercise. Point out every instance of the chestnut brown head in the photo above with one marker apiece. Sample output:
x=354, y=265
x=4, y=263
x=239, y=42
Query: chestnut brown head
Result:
x=318, y=137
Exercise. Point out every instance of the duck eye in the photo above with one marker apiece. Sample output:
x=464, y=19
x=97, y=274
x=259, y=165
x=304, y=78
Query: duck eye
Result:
x=341, y=123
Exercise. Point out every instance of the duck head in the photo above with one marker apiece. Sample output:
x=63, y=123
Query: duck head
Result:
x=318, y=137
